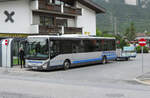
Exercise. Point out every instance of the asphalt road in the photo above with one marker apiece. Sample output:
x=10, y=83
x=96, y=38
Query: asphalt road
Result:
x=113, y=80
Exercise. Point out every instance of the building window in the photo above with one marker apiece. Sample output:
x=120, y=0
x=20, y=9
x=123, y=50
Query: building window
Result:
x=65, y=3
x=57, y=2
x=51, y=1
x=42, y=20
x=46, y=21
x=61, y=22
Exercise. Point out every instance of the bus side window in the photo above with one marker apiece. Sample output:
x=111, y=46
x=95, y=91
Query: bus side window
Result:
x=105, y=45
x=74, y=48
x=77, y=46
x=98, y=45
x=54, y=48
x=81, y=46
x=102, y=45
x=66, y=46
x=114, y=44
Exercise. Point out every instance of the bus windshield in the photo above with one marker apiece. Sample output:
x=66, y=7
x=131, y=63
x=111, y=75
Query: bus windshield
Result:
x=37, y=48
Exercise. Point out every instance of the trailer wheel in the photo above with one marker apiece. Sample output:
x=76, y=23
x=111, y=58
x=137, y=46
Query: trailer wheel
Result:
x=104, y=61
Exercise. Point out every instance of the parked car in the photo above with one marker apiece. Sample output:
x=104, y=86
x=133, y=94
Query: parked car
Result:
x=127, y=53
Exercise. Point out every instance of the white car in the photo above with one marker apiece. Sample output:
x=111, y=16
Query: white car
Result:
x=127, y=53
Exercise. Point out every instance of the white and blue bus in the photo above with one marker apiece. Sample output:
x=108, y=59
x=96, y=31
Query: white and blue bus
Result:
x=45, y=52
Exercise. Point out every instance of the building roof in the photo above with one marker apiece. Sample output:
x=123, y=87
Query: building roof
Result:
x=72, y=37
x=92, y=5
x=140, y=34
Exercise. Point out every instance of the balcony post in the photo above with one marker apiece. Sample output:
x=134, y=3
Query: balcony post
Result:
x=62, y=8
x=62, y=30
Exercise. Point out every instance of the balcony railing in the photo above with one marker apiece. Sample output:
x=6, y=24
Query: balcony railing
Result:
x=58, y=30
x=72, y=30
x=72, y=10
x=59, y=9
x=49, y=29
x=50, y=7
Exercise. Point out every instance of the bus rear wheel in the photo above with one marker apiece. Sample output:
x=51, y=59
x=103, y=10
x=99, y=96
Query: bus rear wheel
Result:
x=104, y=61
x=67, y=65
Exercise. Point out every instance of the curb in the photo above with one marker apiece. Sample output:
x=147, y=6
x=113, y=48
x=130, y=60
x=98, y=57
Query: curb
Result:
x=141, y=82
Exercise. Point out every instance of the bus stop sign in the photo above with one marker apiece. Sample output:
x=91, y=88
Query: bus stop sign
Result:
x=142, y=42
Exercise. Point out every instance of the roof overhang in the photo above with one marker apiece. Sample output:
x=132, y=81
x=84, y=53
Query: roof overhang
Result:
x=92, y=5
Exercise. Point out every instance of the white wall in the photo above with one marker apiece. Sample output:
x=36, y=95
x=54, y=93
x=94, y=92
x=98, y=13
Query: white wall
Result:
x=35, y=19
x=88, y=19
x=34, y=4
x=22, y=17
x=71, y=23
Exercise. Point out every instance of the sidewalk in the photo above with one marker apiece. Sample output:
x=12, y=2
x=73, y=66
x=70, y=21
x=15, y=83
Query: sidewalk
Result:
x=144, y=79
x=15, y=69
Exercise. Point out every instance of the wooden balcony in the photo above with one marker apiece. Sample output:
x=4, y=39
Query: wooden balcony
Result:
x=50, y=7
x=72, y=30
x=49, y=29
x=57, y=9
x=72, y=10
x=58, y=30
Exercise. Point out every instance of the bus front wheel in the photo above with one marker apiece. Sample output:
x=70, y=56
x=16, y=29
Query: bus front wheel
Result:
x=66, y=64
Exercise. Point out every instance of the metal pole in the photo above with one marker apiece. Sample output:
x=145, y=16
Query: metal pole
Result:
x=115, y=25
x=111, y=19
x=6, y=60
x=142, y=61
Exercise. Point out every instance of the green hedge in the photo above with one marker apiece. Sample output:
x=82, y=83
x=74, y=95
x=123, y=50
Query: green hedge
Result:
x=145, y=49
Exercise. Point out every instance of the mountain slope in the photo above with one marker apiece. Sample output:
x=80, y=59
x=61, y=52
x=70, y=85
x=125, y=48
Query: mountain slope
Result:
x=121, y=14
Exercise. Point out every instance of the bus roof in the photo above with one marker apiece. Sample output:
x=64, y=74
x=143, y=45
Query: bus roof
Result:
x=72, y=36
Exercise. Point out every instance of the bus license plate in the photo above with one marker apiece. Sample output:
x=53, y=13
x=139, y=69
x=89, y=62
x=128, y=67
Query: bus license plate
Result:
x=34, y=67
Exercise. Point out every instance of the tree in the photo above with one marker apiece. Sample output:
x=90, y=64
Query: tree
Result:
x=121, y=41
x=131, y=32
x=98, y=32
x=147, y=33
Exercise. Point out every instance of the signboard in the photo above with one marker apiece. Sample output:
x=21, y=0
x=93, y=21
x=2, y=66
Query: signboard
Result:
x=14, y=35
x=142, y=42
x=87, y=33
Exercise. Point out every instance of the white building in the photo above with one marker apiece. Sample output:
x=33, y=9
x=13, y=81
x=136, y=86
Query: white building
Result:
x=48, y=16
x=131, y=2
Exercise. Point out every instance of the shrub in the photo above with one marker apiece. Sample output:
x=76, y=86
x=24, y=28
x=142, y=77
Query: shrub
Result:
x=145, y=49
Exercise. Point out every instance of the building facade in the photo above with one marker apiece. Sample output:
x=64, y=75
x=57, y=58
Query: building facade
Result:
x=48, y=16
x=131, y=2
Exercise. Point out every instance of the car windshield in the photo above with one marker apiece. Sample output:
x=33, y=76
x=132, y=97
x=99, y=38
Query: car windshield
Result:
x=37, y=48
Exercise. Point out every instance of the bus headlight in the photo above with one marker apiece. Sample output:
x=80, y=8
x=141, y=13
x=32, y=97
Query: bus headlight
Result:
x=45, y=65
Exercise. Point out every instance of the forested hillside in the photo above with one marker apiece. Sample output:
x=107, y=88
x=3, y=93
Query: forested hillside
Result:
x=121, y=14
